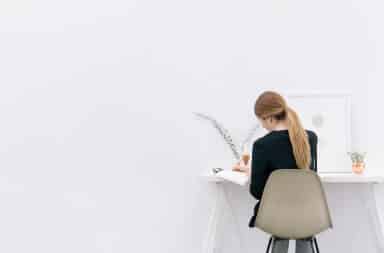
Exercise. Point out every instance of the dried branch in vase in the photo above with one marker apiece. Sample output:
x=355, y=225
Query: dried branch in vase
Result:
x=223, y=132
x=228, y=138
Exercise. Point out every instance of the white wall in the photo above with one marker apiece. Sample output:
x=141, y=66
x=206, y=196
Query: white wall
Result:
x=99, y=149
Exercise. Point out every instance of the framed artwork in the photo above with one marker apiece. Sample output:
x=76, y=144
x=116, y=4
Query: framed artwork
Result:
x=329, y=116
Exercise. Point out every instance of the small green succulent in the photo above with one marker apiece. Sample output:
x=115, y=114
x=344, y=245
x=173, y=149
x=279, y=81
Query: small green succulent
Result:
x=357, y=157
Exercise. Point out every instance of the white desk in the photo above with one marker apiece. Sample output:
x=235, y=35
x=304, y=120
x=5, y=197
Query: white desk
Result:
x=220, y=199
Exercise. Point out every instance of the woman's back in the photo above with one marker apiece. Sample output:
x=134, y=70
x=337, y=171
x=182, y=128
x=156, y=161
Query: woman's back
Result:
x=274, y=151
x=271, y=152
x=280, y=148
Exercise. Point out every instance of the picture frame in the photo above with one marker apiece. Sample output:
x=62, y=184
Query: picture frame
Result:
x=328, y=114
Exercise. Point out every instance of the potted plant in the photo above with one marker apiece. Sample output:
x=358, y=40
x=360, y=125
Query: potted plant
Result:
x=358, y=164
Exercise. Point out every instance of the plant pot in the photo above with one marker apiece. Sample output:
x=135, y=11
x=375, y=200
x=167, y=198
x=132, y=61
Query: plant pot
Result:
x=358, y=167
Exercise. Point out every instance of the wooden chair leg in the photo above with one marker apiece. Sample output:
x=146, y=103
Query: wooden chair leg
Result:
x=269, y=244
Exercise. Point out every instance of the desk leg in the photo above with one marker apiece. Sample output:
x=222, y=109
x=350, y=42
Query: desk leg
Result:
x=216, y=213
x=375, y=218
x=233, y=216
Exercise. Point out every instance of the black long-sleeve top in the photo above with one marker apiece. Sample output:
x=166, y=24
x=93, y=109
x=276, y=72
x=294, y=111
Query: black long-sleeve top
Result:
x=272, y=152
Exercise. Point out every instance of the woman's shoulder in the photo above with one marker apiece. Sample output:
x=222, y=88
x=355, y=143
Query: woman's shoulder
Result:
x=312, y=134
x=270, y=138
x=261, y=144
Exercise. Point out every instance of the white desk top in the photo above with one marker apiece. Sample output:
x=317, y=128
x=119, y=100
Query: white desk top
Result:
x=325, y=177
x=351, y=178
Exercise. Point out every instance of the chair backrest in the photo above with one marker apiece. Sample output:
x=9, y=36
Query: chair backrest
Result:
x=293, y=205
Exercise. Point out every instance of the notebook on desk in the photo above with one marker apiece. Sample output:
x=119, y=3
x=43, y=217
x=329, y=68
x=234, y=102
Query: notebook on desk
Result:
x=233, y=176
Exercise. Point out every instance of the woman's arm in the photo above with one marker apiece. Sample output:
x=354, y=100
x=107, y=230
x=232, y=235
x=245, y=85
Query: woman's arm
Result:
x=314, y=152
x=259, y=170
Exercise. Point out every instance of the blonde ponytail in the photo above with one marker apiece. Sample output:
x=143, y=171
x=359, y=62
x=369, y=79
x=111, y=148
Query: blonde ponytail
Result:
x=299, y=140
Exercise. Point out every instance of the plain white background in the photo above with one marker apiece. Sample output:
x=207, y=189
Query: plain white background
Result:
x=99, y=149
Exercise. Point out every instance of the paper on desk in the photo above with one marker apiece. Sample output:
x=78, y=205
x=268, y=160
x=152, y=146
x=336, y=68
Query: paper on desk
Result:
x=233, y=176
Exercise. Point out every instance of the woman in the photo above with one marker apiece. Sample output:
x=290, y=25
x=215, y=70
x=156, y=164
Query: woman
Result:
x=287, y=145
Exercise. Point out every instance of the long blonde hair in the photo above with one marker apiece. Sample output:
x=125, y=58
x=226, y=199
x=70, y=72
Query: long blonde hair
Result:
x=272, y=104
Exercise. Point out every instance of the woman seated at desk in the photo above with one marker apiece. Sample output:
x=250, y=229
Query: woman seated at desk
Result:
x=287, y=145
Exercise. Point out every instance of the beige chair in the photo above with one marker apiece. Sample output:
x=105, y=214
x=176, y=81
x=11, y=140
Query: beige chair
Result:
x=293, y=206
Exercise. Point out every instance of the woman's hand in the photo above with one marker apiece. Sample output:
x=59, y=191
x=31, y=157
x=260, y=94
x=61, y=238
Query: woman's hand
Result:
x=240, y=167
